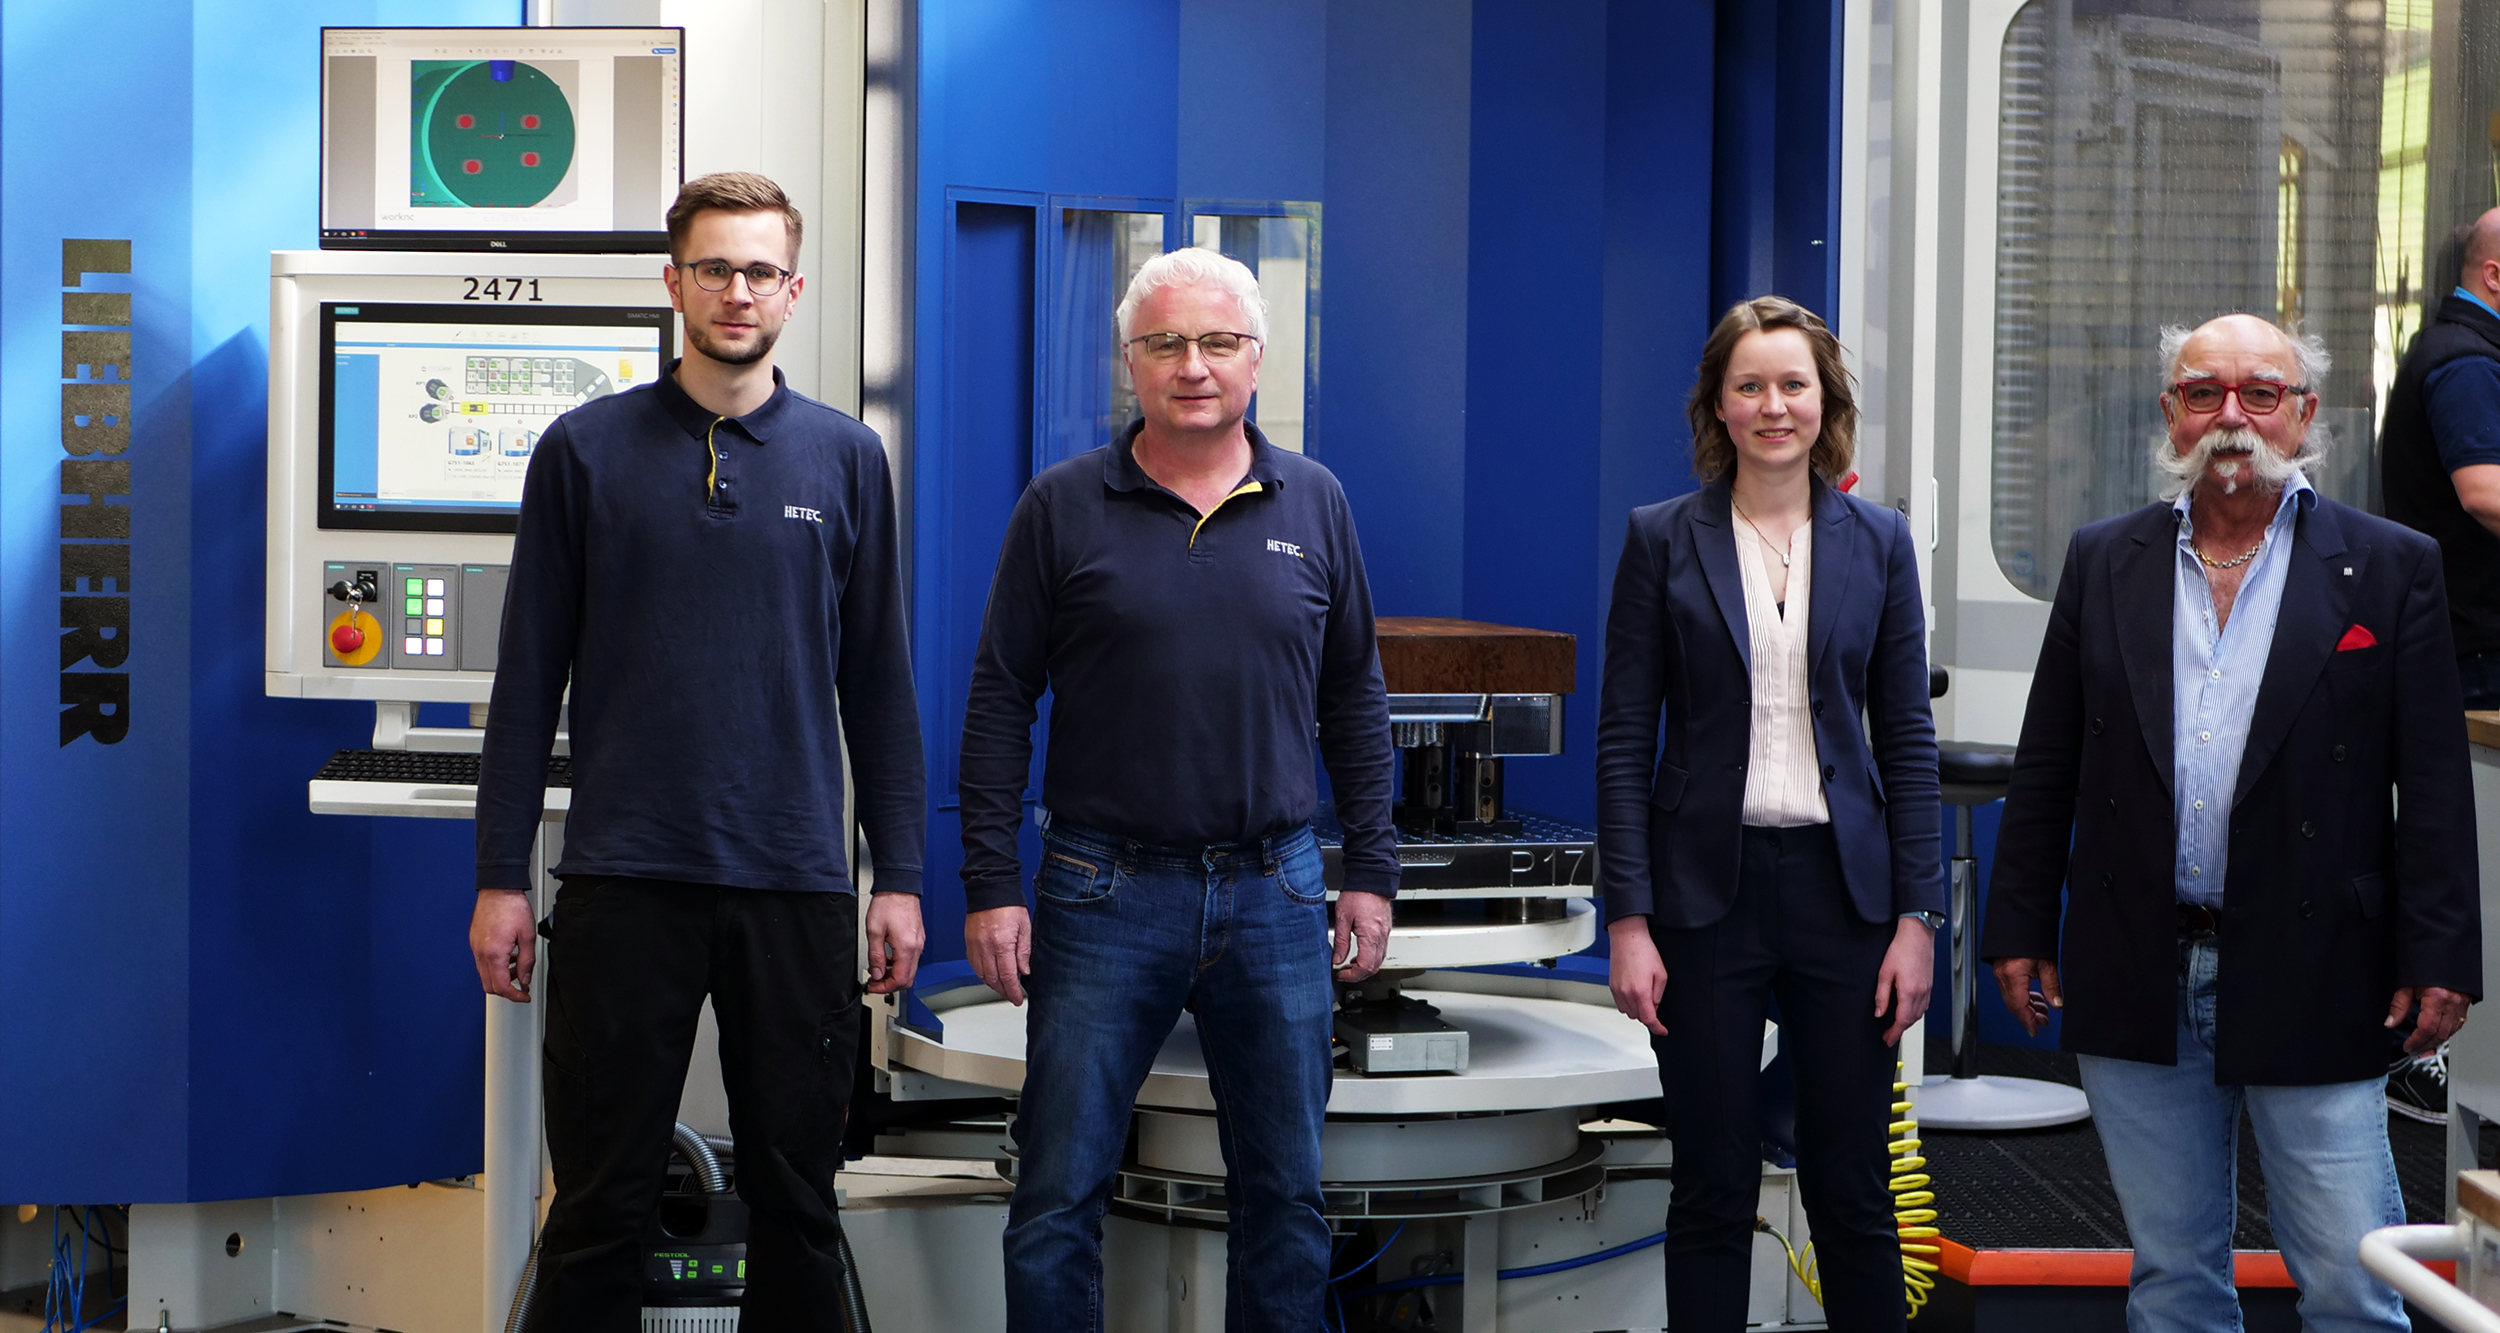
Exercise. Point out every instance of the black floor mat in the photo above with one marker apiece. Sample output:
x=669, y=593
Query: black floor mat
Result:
x=2049, y=1188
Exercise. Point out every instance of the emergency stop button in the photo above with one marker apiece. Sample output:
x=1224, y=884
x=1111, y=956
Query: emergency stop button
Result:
x=354, y=637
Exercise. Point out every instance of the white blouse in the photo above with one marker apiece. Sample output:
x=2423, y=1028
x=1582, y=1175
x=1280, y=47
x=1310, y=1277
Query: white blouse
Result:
x=1783, y=770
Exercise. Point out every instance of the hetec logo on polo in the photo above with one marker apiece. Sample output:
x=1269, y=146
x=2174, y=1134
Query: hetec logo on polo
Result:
x=1286, y=548
x=801, y=511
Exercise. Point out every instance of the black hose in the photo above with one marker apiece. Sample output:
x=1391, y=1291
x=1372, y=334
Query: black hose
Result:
x=854, y=1301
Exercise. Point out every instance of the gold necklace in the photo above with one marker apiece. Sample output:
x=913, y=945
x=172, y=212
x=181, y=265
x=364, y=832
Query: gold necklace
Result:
x=2241, y=559
x=1766, y=541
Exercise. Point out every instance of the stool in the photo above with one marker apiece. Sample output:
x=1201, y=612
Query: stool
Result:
x=1973, y=774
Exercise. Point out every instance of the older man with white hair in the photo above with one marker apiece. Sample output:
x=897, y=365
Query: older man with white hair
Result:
x=2244, y=766
x=1193, y=599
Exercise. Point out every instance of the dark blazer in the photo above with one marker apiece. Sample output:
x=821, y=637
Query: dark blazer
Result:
x=2332, y=900
x=1670, y=818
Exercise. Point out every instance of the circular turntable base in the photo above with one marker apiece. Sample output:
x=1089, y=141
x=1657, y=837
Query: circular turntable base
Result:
x=1528, y=1050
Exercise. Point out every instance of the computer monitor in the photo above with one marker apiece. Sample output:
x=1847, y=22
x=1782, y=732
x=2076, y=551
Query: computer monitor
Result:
x=502, y=139
x=429, y=413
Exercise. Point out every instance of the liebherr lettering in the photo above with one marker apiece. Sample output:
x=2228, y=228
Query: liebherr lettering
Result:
x=95, y=495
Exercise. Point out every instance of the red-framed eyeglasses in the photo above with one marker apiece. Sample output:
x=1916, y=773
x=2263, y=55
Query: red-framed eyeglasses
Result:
x=2257, y=397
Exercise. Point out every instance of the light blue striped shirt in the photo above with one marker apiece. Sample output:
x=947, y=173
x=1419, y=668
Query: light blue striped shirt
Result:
x=2214, y=675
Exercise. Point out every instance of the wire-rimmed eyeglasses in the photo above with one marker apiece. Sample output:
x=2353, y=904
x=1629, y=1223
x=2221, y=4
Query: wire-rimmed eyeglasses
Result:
x=2257, y=397
x=1174, y=346
x=713, y=275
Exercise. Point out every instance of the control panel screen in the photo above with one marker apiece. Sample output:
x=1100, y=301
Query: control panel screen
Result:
x=429, y=413
x=509, y=139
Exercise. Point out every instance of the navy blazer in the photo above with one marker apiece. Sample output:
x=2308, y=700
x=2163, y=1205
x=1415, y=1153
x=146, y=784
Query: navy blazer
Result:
x=2333, y=898
x=1670, y=817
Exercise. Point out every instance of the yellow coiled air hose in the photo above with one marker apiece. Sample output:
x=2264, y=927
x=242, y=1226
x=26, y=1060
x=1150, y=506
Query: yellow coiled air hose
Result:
x=1913, y=1210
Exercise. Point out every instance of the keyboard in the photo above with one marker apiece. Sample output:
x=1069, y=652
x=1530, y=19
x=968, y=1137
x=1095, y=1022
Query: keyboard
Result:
x=423, y=767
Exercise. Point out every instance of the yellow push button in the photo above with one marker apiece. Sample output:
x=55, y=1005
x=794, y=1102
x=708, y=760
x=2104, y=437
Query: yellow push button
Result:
x=434, y=625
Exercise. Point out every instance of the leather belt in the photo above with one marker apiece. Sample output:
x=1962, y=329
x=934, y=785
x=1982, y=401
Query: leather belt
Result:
x=2195, y=919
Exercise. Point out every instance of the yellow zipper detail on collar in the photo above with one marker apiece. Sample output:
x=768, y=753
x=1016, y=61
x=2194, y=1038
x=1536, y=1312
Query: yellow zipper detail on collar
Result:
x=1246, y=488
x=711, y=459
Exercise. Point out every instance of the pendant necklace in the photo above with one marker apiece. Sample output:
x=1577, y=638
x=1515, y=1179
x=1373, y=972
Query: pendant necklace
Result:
x=1792, y=536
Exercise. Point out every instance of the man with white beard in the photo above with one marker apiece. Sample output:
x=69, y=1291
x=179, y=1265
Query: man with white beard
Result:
x=2245, y=742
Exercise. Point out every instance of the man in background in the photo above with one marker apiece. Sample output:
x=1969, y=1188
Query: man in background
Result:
x=2439, y=460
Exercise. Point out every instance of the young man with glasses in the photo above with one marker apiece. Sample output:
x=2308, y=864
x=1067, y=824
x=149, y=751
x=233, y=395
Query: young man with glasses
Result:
x=711, y=563
x=1194, y=600
x=2243, y=777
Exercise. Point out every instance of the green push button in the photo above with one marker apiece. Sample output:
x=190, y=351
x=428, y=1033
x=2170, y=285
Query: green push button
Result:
x=415, y=587
x=416, y=606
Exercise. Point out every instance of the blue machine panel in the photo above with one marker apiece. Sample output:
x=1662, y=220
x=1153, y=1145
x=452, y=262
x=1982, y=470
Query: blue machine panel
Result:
x=210, y=992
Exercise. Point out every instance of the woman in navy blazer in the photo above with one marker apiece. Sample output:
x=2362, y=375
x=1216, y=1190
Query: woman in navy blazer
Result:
x=1764, y=850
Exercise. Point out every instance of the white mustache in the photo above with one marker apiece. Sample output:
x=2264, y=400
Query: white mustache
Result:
x=2236, y=457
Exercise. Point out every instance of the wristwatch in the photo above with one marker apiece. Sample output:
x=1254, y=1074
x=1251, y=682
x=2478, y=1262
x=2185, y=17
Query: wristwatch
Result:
x=1935, y=920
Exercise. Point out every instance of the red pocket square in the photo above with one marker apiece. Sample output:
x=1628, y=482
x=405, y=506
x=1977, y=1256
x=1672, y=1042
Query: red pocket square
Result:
x=2356, y=637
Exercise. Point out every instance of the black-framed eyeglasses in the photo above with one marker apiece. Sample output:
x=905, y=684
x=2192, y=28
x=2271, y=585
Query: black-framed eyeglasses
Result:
x=2257, y=397
x=713, y=275
x=1174, y=346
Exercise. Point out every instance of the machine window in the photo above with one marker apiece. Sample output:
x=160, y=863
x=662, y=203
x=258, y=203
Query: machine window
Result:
x=1278, y=249
x=2161, y=162
x=1090, y=397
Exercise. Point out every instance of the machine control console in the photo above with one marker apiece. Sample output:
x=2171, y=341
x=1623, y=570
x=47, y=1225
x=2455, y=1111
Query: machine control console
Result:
x=408, y=616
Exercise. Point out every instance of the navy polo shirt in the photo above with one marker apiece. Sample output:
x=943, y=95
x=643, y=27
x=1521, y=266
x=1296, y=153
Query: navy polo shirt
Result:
x=2463, y=398
x=724, y=595
x=1191, y=663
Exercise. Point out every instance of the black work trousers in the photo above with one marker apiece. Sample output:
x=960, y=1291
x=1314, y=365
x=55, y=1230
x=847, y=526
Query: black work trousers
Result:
x=1792, y=933
x=630, y=963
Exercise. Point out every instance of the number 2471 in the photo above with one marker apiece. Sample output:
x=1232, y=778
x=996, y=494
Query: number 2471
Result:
x=500, y=289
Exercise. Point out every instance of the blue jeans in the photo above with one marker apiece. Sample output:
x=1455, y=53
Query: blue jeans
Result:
x=2172, y=1139
x=1127, y=936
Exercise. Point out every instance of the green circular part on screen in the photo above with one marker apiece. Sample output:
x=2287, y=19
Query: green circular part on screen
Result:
x=486, y=134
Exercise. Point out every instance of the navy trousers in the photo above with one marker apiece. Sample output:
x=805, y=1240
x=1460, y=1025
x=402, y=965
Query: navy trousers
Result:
x=1791, y=934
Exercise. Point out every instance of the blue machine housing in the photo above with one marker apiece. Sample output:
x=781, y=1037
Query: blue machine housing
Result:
x=211, y=992
x=1530, y=212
